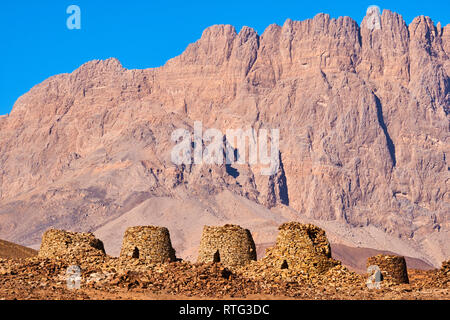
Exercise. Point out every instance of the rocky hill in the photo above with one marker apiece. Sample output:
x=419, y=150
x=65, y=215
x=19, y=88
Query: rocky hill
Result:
x=363, y=115
x=10, y=250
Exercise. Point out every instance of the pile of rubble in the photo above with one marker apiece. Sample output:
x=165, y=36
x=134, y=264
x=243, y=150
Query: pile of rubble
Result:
x=337, y=276
x=441, y=278
x=392, y=267
x=216, y=280
x=231, y=245
x=298, y=266
x=35, y=278
x=183, y=278
x=42, y=278
x=301, y=255
x=148, y=243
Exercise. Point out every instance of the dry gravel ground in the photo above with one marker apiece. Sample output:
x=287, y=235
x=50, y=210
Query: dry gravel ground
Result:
x=37, y=278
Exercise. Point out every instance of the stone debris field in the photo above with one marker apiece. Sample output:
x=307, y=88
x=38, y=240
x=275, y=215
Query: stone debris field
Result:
x=299, y=266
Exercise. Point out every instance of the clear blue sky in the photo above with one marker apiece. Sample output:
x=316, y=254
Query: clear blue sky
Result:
x=36, y=44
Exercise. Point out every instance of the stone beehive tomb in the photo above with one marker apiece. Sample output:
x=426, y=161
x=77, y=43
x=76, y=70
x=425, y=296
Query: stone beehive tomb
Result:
x=67, y=245
x=393, y=268
x=443, y=275
x=445, y=269
x=231, y=245
x=300, y=247
x=149, y=243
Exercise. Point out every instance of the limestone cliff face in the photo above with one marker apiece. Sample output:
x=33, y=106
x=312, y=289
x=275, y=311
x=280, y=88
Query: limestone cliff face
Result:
x=363, y=116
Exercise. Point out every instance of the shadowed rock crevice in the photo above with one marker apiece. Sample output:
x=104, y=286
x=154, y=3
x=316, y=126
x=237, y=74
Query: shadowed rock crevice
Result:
x=216, y=257
x=135, y=253
x=282, y=185
x=232, y=171
x=447, y=97
x=234, y=157
x=389, y=142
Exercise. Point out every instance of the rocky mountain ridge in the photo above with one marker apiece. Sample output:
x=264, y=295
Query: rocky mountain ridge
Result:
x=363, y=116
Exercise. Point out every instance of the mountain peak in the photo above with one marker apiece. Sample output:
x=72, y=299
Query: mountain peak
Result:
x=362, y=116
